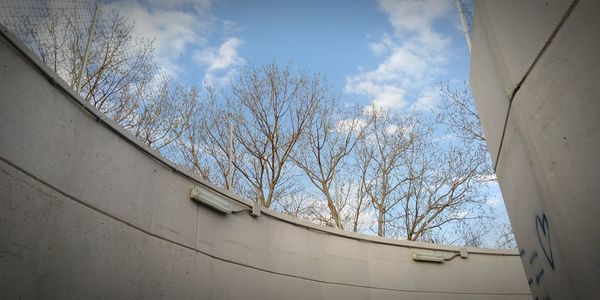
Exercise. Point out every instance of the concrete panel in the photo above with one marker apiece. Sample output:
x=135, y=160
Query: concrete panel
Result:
x=525, y=192
x=556, y=112
x=508, y=36
x=86, y=212
x=518, y=30
x=80, y=165
x=489, y=79
x=548, y=165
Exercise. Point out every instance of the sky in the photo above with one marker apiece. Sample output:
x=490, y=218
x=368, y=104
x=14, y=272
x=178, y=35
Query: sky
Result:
x=391, y=53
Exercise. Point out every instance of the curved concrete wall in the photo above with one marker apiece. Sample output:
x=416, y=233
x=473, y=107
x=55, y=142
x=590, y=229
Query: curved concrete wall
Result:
x=86, y=213
x=535, y=75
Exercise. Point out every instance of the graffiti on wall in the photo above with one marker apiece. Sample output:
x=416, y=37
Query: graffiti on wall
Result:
x=543, y=251
x=543, y=233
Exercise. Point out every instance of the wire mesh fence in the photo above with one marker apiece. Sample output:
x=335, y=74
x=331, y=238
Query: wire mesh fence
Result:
x=468, y=7
x=41, y=22
x=95, y=51
x=58, y=32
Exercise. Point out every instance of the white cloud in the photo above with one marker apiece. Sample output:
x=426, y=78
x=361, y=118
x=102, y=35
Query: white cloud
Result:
x=169, y=24
x=428, y=99
x=180, y=28
x=445, y=137
x=383, y=46
x=461, y=214
x=490, y=178
x=383, y=96
x=220, y=60
x=391, y=129
x=346, y=125
x=493, y=202
x=414, y=55
x=198, y=5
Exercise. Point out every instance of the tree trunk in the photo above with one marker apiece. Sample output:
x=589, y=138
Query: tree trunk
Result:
x=334, y=214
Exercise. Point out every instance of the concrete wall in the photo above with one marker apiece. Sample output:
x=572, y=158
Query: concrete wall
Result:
x=87, y=213
x=535, y=76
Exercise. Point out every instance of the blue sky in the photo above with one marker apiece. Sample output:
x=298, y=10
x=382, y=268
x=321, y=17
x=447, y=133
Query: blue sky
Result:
x=393, y=53
x=390, y=53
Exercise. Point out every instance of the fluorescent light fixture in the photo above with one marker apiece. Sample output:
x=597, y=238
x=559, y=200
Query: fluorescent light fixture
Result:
x=210, y=199
x=427, y=256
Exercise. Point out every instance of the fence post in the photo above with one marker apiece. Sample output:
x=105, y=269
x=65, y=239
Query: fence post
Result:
x=87, y=51
x=464, y=24
x=230, y=156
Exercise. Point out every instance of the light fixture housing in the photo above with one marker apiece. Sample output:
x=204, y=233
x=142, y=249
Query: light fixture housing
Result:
x=430, y=256
x=210, y=199
x=256, y=208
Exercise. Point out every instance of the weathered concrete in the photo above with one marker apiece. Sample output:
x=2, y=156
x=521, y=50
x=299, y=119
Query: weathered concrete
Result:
x=549, y=153
x=87, y=213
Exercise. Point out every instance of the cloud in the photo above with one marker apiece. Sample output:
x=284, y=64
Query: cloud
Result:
x=220, y=60
x=412, y=56
x=428, y=99
x=383, y=46
x=461, y=214
x=445, y=137
x=489, y=178
x=172, y=27
x=347, y=125
x=493, y=202
x=181, y=28
x=198, y=5
x=383, y=95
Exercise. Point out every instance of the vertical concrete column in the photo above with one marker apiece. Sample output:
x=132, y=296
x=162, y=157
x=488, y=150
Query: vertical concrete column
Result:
x=535, y=76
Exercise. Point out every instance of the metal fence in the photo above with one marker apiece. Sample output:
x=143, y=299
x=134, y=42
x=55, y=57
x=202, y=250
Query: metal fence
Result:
x=66, y=35
x=465, y=11
x=95, y=51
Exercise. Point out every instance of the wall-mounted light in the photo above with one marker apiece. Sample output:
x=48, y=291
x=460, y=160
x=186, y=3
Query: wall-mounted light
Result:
x=210, y=199
x=423, y=255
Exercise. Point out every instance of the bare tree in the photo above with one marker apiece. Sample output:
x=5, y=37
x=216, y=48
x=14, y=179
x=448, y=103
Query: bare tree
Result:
x=381, y=148
x=205, y=142
x=192, y=144
x=275, y=105
x=360, y=204
x=458, y=114
x=416, y=184
x=457, y=111
x=324, y=148
x=117, y=60
x=444, y=187
x=120, y=79
x=163, y=115
x=505, y=239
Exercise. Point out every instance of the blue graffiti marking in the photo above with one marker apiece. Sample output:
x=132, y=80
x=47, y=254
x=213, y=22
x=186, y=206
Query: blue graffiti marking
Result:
x=543, y=231
x=533, y=257
x=539, y=276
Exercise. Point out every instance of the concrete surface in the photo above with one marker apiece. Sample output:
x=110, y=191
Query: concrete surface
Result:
x=86, y=213
x=549, y=155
